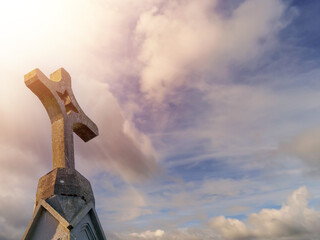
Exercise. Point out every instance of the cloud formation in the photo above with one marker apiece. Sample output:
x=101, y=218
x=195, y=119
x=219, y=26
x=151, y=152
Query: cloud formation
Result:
x=294, y=220
x=305, y=146
x=178, y=234
x=182, y=40
x=119, y=140
x=149, y=234
x=48, y=36
x=175, y=80
x=120, y=147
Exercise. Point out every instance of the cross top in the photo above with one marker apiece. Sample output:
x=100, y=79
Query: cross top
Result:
x=65, y=114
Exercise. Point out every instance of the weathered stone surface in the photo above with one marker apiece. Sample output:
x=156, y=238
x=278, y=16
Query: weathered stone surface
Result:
x=64, y=182
x=65, y=114
x=47, y=228
x=64, y=207
x=49, y=224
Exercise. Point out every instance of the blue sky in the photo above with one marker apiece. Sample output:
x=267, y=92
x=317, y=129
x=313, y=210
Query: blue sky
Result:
x=208, y=111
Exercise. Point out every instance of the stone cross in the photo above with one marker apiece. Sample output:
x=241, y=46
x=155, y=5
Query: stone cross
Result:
x=65, y=114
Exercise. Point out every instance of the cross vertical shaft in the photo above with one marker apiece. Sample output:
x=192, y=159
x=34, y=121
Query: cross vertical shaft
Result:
x=62, y=145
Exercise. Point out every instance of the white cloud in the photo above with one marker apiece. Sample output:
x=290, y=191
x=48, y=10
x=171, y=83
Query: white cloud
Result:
x=294, y=220
x=157, y=234
x=176, y=234
x=180, y=38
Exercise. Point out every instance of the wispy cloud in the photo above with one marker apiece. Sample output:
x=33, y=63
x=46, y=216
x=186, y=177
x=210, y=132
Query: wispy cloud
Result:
x=294, y=220
x=203, y=108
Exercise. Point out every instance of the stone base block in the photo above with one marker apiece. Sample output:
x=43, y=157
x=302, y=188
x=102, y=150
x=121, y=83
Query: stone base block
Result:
x=64, y=182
